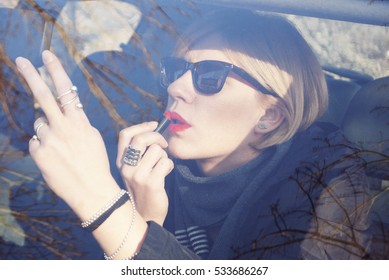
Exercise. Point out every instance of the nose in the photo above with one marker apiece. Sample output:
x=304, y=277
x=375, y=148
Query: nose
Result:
x=182, y=88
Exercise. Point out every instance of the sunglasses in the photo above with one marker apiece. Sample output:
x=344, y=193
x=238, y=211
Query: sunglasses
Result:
x=208, y=76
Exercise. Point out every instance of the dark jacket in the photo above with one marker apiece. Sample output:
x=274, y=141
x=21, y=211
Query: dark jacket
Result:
x=311, y=203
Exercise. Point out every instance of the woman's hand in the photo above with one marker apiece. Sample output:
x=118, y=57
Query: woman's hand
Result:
x=146, y=178
x=69, y=152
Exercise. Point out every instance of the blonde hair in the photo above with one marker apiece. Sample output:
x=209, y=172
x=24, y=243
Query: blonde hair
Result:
x=273, y=51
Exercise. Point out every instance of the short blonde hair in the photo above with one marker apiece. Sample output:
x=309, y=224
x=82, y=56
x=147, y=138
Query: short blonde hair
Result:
x=273, y=51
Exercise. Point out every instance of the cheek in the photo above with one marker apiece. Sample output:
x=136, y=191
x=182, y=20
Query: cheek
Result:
x=218, y=128
x=205, y=139
x=238, y=117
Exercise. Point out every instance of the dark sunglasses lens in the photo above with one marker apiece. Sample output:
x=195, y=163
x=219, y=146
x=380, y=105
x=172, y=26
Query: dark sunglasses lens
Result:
x=171, y=70
x=210, y=76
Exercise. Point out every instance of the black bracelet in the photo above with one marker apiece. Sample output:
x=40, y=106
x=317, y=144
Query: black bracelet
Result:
x=101, y=219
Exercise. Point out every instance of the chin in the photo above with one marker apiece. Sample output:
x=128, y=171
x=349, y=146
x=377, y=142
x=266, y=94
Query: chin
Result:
x=176, y=153
x=184, y=152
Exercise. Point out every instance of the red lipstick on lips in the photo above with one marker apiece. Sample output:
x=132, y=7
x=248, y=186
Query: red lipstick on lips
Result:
x=177, y=123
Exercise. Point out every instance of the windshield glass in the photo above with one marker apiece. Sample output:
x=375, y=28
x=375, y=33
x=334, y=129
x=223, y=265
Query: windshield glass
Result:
x=112, y=51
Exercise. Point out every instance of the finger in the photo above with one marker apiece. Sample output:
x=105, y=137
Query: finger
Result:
x=127, y=134
x=41, y=131
x=151, y=157
x=163, y=167
x=39, y=121
x=66, y=93
x=33, y=145
x=154, y=170
x=144, y=166
x=140, y=143
x=39, y=89
x=147, y=165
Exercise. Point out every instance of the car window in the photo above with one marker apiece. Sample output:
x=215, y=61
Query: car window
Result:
x=111, y=50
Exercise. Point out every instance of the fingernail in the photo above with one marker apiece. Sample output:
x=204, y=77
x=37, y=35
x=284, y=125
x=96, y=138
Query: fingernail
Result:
x=21, y=63
x=47, y=56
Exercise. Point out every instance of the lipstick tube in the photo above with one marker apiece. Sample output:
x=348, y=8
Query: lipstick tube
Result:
x=163, y=124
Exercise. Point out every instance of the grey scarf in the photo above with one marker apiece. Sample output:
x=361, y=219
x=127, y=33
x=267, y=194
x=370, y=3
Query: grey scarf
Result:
x=202, y=202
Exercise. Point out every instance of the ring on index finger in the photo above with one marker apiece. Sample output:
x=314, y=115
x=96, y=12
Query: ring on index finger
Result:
x=132, y=156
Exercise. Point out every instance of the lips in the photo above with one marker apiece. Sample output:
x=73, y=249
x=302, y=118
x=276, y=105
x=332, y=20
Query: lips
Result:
x=178, y=123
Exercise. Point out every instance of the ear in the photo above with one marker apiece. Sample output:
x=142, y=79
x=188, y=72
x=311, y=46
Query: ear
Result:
x=270, y=121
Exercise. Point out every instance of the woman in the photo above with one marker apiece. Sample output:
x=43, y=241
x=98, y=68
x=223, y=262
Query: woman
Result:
x=253, y=175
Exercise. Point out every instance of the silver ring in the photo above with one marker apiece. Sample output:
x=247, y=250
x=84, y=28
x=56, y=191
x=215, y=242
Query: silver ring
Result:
x=73, y=89
x=34, y=138
x=69, y=101
x=39, y=126
x=39, y=122
x=132, y=156
x=79, y=105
